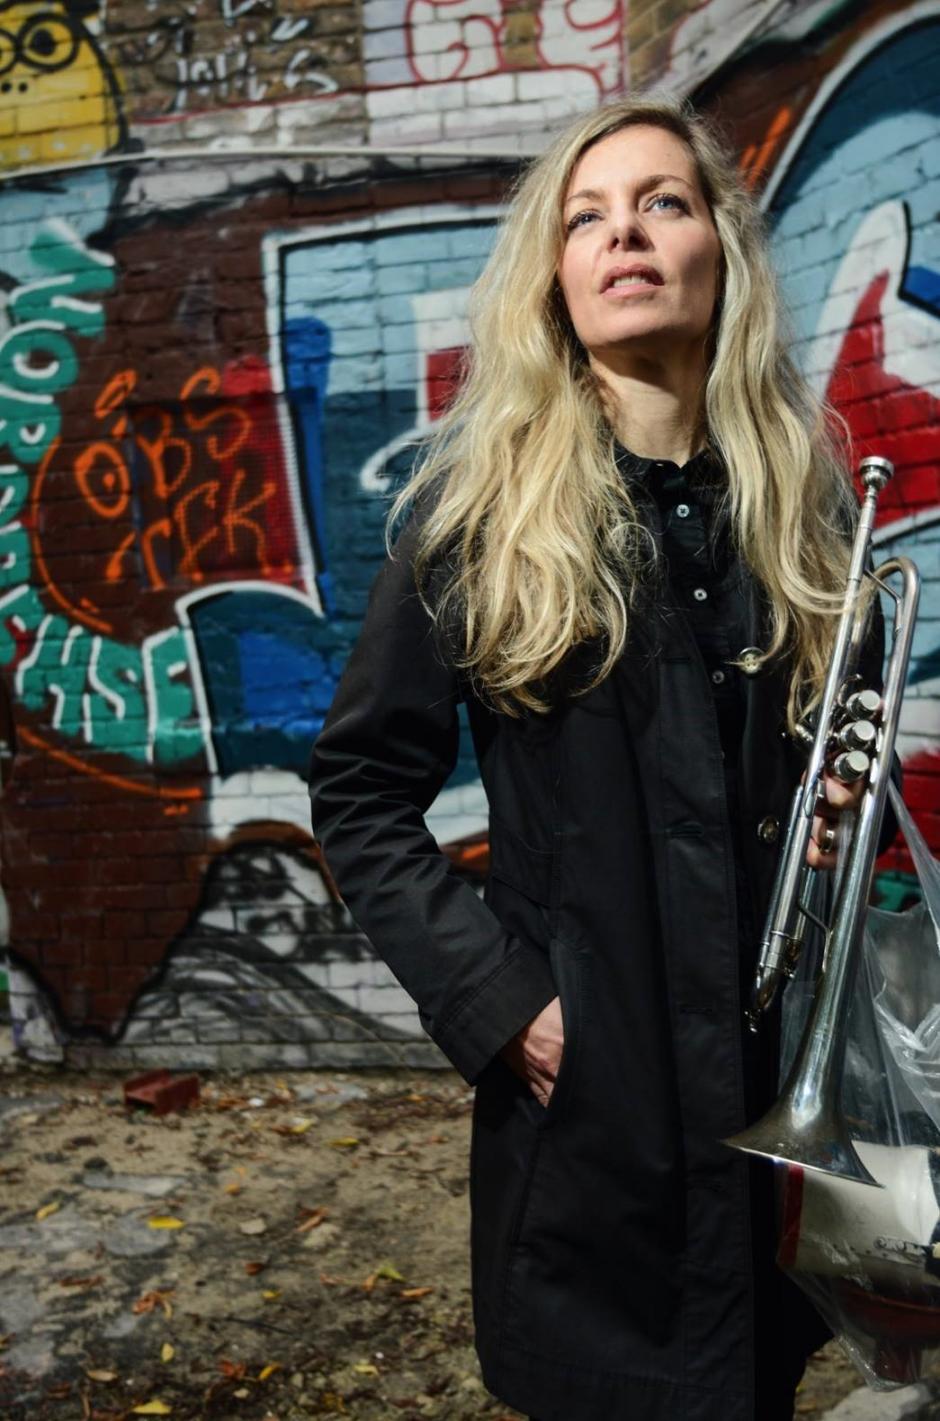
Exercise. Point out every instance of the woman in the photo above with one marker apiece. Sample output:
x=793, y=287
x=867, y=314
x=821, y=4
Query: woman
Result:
x=625, y=554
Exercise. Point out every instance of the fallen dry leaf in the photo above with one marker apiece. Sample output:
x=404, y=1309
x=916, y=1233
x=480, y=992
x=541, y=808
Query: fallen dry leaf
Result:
x=74, y=1282
x=235, y=1370
x=97, y=1374
x=167, y=1352
x=257, y=1266
x=163, y=1221
x=270, y=1294
x=241, y=1393
x=152, y=1408
x=156, y=1298
x=299, y=1127
x=233, y=1188
x=388, y=1270
x=345, y=1142
x=415, y=1292
x=46, y=1210
x=385, y=1270
x=253, y=1226
x=366, y=1369
x=268, y=1371
x=313, y=1219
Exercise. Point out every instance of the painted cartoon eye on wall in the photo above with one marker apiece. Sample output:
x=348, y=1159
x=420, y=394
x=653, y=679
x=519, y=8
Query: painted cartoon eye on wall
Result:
x=45, y=42
x=59, y=95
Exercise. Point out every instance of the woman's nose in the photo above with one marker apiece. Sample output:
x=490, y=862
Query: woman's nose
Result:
x=628, y=233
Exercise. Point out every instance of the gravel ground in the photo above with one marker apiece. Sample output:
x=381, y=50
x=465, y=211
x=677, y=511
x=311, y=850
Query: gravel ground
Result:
x=293, y=1246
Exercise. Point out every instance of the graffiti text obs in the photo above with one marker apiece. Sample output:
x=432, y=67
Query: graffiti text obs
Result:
x=135, y=700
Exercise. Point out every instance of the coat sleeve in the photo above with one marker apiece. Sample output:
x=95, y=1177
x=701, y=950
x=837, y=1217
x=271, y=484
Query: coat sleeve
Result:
x=387, y=747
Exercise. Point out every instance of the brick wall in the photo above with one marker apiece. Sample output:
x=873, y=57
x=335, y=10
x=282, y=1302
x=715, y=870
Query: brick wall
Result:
x=227, y=306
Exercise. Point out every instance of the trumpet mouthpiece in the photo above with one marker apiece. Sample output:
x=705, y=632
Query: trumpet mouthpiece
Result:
x=875, y=472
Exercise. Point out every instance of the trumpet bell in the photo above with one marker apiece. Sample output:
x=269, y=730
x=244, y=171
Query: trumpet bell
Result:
x=814, y=1137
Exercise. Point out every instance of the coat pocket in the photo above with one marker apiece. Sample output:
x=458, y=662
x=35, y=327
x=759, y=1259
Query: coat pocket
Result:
x=568, y=968
x=516, y=862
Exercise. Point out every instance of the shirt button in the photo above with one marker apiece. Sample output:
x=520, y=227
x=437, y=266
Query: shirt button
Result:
x=700, y=594
x=682, y=510
x=718, y=677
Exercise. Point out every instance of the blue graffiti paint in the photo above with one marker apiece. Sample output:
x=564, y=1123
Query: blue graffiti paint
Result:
x=307, y=350
x=875, y=142
x=354, y=341
x=267, y=685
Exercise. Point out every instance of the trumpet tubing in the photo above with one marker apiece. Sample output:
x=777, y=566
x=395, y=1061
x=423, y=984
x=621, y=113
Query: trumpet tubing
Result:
x=855, y=733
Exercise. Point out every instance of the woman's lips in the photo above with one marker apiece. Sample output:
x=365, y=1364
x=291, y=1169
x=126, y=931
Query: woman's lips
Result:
x=631, y=288
x=630, y=279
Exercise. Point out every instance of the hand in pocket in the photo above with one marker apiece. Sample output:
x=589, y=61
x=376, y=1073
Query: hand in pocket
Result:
x=535, y=1052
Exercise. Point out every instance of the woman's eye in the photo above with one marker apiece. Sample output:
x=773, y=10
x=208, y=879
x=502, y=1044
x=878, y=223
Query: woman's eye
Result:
x=580, y=219
x=670, y=200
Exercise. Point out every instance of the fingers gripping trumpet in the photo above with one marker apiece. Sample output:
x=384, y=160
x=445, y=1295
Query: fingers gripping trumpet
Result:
x=853, y=739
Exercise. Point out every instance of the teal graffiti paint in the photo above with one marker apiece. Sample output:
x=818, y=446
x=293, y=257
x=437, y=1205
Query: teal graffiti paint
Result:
x=132, y=701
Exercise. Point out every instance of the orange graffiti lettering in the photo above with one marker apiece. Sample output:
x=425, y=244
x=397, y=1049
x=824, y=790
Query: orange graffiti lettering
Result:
x=208, y=493
x=162, y=478
x=88, y=619
x=236, y=518
x=159, y=529
x=156, y=451
x=112, y=572
x=112, y=397
x=114, y=479
x=755, y=160
x=179, y=793
x=209, y=377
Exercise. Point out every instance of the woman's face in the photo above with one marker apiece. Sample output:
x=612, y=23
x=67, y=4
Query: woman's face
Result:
x=639, y=269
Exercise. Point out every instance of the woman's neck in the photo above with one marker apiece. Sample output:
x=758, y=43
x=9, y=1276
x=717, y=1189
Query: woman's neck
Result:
x=655, y=415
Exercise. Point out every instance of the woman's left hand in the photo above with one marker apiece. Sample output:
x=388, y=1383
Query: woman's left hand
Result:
x=823, y=850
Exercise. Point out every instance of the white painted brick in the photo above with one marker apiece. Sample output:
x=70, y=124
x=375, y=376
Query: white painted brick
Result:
x=383, y=14
x=387, y=71
x=416, y=128
x=384, y=44
x=494, y=89
x=489, y=120
x=390, y=103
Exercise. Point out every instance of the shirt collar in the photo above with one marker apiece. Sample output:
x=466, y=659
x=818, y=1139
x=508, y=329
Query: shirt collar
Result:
x=703, y=471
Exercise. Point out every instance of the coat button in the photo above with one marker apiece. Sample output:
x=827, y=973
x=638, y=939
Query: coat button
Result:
x=700, y=594
x=718, y=678
x=750, y=660
x=768, y=830
x=682, y=510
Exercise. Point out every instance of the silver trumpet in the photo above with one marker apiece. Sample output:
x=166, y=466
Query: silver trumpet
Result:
x=854, y=736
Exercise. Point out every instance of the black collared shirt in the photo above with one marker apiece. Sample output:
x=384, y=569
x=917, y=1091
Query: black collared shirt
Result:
x=702, y=572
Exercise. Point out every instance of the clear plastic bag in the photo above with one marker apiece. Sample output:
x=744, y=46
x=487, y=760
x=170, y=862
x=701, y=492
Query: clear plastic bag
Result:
x=869, y=1259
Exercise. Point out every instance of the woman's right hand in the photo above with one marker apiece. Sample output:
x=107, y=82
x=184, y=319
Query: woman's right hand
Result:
x=534, y=1053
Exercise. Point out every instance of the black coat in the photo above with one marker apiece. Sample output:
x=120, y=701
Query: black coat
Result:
x=612, y=1252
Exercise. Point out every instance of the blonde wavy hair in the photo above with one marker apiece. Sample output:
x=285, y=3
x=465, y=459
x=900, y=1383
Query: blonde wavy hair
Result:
x=541, y=543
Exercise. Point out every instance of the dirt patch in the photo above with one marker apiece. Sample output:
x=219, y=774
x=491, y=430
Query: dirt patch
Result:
x=292, y=1247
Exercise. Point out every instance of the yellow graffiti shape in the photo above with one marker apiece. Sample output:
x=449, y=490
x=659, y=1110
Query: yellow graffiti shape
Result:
x=59, y=98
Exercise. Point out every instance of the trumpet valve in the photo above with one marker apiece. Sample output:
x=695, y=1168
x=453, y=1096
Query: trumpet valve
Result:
x=858, y=735
x=850, y=766
x=863, y=705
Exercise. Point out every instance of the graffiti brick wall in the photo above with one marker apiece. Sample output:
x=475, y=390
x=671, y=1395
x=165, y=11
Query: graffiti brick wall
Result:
x=236, y=243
